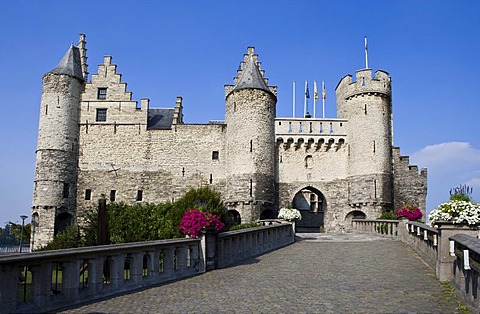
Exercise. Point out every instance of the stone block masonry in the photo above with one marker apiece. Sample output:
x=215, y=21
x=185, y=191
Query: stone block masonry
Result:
x=110, y=145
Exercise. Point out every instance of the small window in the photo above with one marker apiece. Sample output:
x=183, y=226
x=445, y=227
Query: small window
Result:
x=215, y=155
x=88, y=194
x=102, y=93
x=101, y=115
x=112, y=195
x=66, y=188
x=139, y=195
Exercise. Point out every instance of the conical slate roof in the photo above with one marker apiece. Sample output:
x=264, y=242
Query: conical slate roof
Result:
x=70, y=64
x=251, y=77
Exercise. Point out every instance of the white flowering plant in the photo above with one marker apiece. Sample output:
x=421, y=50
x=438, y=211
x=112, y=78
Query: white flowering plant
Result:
x=289, y=214
x=457, y=212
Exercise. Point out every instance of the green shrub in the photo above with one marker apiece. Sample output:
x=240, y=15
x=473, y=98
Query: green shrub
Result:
x=69, y=238
x=388, y=215
x=245, y=226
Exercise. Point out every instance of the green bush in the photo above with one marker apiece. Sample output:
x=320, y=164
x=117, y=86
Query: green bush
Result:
x=245, y=226
x=69, y=238
x=142, y=222
x=388, y=215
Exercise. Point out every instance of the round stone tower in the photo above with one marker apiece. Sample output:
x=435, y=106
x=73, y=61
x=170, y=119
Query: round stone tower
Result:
x=55, y=182
x=250, y=135
x=367, y=105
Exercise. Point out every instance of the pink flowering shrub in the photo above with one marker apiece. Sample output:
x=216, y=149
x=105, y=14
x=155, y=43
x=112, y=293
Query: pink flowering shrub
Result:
x=195, y=221
x=410, y=211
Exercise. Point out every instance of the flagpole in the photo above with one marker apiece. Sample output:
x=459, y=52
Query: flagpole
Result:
x=324, y=94
x=305, y=100
x=293, y=101
x=315, y=95
x=366, y=53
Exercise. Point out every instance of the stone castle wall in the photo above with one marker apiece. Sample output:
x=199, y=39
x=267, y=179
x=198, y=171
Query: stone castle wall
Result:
x=410, y=186
x=256, y=161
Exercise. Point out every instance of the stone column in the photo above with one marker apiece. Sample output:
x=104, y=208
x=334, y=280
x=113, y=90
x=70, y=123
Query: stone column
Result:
x=209, y=249
x=70, y=278
x=446, y=229
x=402, y=234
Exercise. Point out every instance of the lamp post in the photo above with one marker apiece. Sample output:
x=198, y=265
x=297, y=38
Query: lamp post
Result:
x=21, y=234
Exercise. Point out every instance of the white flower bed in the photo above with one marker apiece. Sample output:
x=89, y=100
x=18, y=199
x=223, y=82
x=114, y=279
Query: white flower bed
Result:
x=289, y=214
x=456, y=212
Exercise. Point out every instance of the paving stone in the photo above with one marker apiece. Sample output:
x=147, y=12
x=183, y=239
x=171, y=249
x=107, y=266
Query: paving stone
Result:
x=341, y=274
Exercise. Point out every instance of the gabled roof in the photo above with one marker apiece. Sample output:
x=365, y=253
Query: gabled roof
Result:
x=70, y=64
x=251, y=77
x=160, y=119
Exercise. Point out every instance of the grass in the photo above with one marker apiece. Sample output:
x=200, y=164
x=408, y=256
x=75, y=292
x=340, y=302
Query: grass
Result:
x=449, y=294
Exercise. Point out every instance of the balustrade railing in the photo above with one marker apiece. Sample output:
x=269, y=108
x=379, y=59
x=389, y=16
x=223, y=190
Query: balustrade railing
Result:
x=424, y=239
x=381, y=227
x=41, y=281
x=46, y=281
x=453, y=250
x=466, y=252
x=234, y=246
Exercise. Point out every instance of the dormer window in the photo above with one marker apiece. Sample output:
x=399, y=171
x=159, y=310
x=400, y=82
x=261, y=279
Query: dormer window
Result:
x=102, y=93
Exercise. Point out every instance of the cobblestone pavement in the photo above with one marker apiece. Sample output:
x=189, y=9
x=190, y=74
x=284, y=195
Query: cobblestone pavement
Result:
x=320, y=273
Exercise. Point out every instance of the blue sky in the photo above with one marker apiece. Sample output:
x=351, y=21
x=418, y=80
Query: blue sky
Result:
x=191, y=49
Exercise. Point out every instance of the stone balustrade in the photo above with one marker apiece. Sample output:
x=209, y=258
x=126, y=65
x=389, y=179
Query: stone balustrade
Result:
x=453, y=250
x=234, y=246
x=423, y=239
x=46, y=281
x=382, y=227
x=466, y=267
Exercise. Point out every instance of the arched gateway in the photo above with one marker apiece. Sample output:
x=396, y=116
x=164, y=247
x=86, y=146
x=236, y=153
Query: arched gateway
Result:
x=312, y=205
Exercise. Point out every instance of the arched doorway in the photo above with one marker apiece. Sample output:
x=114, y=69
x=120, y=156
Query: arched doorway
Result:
x=312, y=205
x=234, y=217
x=355, y=214
x=62, y=222
x=34, y=226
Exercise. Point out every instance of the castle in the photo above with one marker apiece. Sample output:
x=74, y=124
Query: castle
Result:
x=95, y=141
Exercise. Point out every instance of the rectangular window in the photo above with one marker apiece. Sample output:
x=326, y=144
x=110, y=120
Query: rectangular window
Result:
x=215, y=155
x=102, y=93
x=112, y=195
x=101, y=115
x=139, y=195
x=66, y=188
x=88, y=194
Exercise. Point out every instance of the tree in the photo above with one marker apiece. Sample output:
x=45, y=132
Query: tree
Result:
x=16, y=231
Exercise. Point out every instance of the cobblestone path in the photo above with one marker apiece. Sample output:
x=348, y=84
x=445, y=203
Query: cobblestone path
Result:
x=317, y=274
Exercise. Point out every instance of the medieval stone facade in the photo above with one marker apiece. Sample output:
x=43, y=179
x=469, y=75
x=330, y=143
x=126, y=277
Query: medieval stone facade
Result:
x=95, y=141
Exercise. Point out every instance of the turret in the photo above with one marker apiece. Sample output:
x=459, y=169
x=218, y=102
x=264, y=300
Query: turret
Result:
x=250, y=119
x=55, y=183
x=366, y=103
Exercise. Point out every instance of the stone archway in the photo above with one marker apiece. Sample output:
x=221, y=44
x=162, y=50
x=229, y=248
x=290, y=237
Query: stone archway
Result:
x=234, y=217
x=312, y=205
x=62, y=222
x=34, y=229
x=354, y=214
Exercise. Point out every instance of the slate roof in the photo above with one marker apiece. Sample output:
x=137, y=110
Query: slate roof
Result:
x=70, y=64
x=251, y=78
x=160, y=119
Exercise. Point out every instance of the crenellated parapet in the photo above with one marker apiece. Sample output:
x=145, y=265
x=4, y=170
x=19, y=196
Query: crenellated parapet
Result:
x=410, y=185
x=364, y=84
